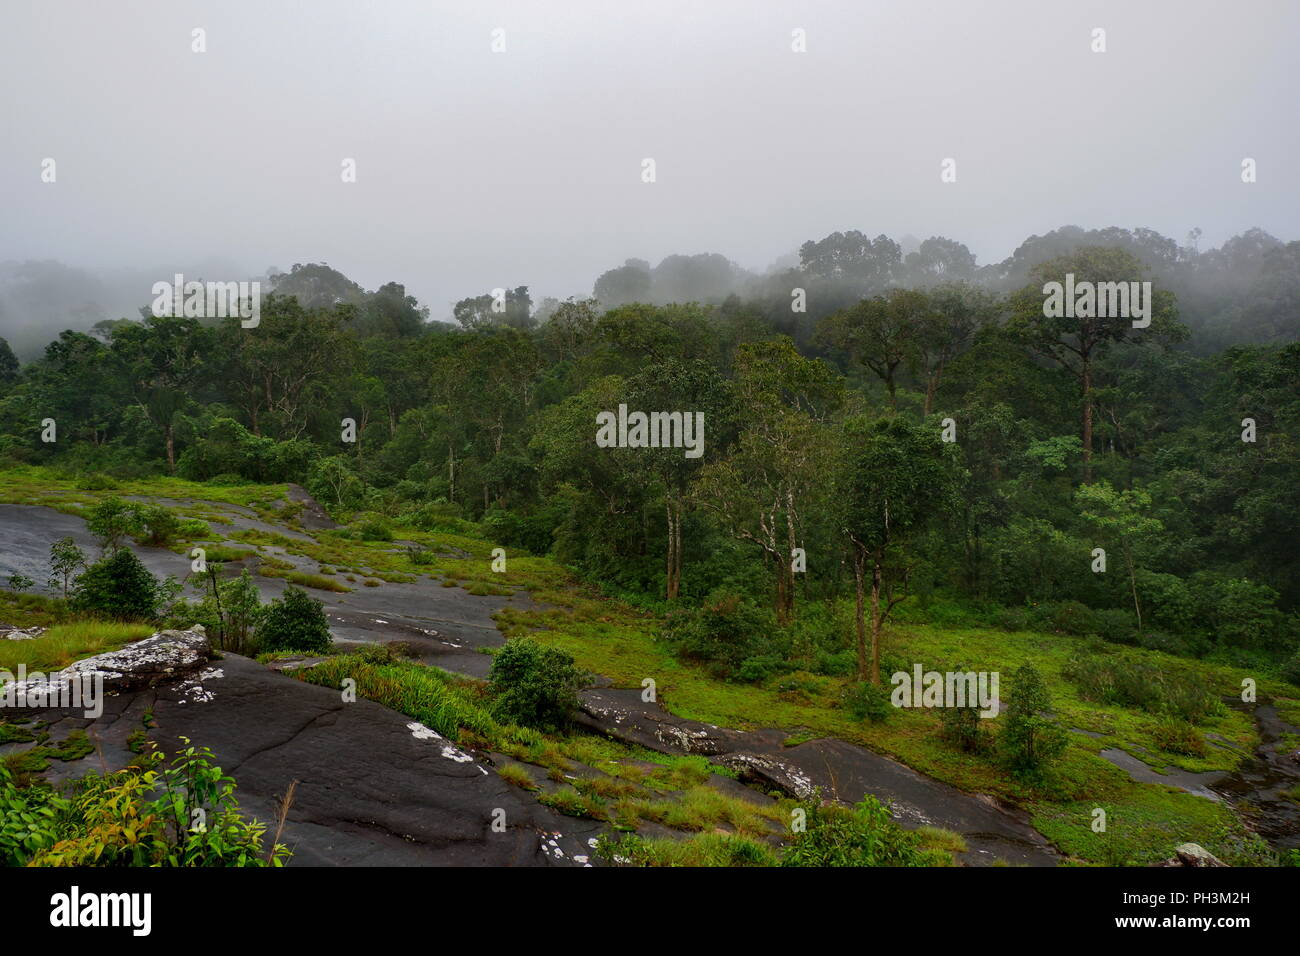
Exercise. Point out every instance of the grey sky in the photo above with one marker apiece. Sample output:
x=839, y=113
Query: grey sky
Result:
x=478, y=169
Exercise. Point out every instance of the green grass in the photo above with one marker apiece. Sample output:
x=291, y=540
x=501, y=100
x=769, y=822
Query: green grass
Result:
x=706, y=849
x=609, y=637
x=317, y=581
x=71, y=641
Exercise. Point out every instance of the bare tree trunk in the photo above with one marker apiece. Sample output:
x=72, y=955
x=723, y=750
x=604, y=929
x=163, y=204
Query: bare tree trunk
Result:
x=876, y=620
x=677, y=558
x=673, y=531
x=859, y=558
x=171, y=449
x=1087, y=422
x=789, y=557
x=1132, y=580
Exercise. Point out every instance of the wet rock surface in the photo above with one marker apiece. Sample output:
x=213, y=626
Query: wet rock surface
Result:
x=838, y=769
x=1264, y=787
x=374, y=787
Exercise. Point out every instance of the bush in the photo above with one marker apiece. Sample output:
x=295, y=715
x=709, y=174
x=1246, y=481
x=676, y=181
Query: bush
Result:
x=724, y=632
x=534, y=685
x=112, y=521
x=134, y=817
x=156, y=525
x=962, y=728
x=1115, y=625
x=533, y=532
x=120, y=587
x=1031, y=737
x=1179, y=737
x=866, y=701
x=1073, y=617
x=1291, y=670
x=1157, y=690
x=296, y=623
x=754, y=670
x=1012, y=619
x=863, y=835
x=839, y=664
x=374, y=529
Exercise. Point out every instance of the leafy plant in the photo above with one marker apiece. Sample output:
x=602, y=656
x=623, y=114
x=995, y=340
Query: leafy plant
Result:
x=534, y=685
x=296, y=622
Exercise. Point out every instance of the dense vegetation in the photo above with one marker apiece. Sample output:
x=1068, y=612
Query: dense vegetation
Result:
x=1066, y=438
x=919, y=467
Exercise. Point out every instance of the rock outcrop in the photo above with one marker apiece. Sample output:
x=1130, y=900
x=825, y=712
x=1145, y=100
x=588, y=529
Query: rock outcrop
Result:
x=166, y=656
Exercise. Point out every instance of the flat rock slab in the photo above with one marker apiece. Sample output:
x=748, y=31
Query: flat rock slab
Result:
x=838, y=769
x=374, y=787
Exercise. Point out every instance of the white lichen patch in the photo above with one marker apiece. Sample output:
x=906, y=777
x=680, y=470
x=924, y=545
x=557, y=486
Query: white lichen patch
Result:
x=421, y=732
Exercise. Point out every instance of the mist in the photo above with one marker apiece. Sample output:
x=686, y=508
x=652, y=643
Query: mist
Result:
x=478, y=169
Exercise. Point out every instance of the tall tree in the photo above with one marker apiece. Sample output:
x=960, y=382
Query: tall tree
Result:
x=894, y=478
x=1076, y=342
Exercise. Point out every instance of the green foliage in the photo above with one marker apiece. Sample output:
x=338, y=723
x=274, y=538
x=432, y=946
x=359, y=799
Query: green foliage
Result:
x=534, y=685
x=1031, y=737
x=156, y=525
x=963, y=728
x=180, y=814
x=120, y=587
x=1167, y=690
x=867, y=701
x=435, y=698
x=295, y=622
x=66, y=559
x=113, y=520
x=863, y=835
x=1179, y=737
x=724, y=632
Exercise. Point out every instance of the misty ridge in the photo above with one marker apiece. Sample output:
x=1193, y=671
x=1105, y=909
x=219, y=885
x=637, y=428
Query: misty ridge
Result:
x=1245, y=291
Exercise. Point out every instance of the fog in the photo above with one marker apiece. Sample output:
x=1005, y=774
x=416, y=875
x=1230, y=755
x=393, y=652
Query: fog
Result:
x=477, y=169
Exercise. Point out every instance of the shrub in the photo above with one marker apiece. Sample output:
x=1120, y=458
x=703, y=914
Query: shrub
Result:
x=1031, y=737
x=863, y=835
x=135, y=817
x=1291, y=670
x=373, y=529
x=723, y=632
x=296, y=622
x=866, y=701
x=1157, y=690
x=534, y=532
x=1115, y=625
x=1179, y=737
x=1012, y=619
x=534, y=685
x=96, y=481
x=1073, y=617
x=754, y=670
x=120, y=587
x=155, y=525
x=839, y=664
x=962, y=728
x=112, y=521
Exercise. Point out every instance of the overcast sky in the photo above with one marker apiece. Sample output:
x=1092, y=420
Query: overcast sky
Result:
x=478, y=169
